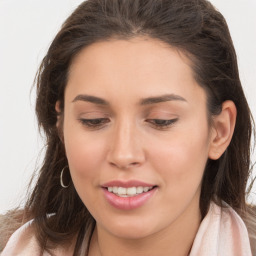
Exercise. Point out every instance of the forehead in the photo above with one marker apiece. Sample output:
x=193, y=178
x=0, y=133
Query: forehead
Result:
x=130, y=54
x=139, y=65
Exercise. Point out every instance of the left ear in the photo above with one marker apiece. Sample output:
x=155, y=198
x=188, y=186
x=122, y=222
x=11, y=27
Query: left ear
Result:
x=222, y=130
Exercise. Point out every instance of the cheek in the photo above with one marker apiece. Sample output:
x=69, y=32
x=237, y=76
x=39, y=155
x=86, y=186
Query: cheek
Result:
x=181, y=159
x=84, y=154
x=84, y=158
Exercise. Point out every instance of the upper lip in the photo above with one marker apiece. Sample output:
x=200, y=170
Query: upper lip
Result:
x=127, y=184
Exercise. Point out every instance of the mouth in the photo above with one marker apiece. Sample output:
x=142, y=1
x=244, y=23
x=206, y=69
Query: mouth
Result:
x=128, y=195
x=129, y=191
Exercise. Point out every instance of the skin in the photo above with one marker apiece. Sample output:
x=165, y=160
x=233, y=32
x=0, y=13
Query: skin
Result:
x=129, y=145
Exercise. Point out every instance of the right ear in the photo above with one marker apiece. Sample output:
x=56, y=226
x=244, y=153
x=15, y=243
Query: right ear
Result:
x=59, y=122
x=58, y=111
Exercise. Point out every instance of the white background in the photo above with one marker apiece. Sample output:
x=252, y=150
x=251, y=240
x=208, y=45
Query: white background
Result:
x=26, y=29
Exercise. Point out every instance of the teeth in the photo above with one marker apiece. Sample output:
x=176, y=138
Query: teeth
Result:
x=126, y=192
x=121, y=191
x=139, y=190
x=146, y=189
x=131, y=191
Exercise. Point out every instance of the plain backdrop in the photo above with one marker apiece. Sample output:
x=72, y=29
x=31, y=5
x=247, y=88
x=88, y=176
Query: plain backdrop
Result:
x=27, y=28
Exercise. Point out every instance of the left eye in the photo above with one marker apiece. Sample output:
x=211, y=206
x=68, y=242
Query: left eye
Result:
x=162, y=123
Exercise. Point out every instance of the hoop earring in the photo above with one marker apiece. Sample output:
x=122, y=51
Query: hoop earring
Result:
x=61, y=178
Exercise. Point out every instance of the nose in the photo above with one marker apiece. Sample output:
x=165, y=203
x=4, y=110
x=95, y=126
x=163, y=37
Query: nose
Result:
x=126, y=149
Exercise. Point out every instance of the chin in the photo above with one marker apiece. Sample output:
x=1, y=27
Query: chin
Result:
x=132, y=229
x=131, y=234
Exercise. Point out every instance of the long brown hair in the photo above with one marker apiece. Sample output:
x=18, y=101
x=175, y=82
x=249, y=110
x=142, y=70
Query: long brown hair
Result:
x=194, y=27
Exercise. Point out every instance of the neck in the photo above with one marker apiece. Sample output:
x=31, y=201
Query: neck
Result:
x=175, y=240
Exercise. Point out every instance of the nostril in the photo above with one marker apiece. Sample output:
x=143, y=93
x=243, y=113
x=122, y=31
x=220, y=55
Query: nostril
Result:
x=125, y=165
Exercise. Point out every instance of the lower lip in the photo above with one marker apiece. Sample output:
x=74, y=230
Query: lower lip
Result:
x=128, y=203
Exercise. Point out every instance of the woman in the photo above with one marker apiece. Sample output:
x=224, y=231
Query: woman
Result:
x=148, y=136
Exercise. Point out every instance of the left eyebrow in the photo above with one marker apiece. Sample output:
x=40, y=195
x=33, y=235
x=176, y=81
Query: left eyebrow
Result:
x=162, y=98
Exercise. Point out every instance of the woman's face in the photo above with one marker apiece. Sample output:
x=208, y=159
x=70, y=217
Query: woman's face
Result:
x=136, y=135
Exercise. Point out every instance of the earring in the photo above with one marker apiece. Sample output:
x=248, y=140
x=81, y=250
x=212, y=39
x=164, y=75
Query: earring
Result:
x=61, y=178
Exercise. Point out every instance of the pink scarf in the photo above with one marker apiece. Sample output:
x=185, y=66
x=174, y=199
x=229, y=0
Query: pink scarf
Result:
x=221, y=233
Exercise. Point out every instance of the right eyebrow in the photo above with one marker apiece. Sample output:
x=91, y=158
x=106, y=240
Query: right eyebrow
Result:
x=91, y=99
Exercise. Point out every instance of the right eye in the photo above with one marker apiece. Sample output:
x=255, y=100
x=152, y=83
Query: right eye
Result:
x=94, y=123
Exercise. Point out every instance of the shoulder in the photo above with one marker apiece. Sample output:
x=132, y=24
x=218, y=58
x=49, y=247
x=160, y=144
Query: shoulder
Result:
x=9, y=222
x=22, y=242
x=222, y=232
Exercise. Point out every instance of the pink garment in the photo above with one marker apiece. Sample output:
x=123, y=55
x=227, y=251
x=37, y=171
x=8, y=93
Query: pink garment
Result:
x=221, y=233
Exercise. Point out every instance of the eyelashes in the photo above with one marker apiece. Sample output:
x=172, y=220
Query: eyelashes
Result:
x=94, y=123
x=98, y=123
x=162, y=123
